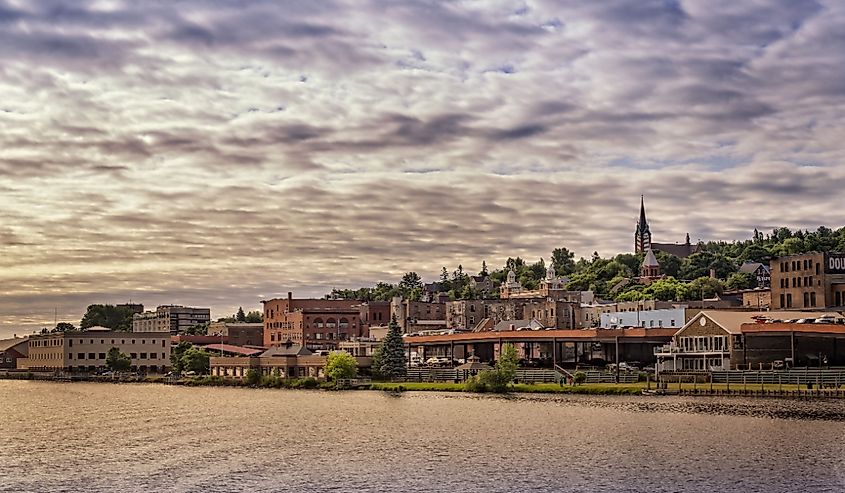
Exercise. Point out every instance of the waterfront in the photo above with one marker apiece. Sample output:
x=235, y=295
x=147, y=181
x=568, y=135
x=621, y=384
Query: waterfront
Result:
x=95, y=437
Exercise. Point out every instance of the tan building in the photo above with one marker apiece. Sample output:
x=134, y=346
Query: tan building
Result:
x=809, y=281
x=758, y=298
x=175, y=319
x=84, y=351
x=714, y=340
x=552, y=313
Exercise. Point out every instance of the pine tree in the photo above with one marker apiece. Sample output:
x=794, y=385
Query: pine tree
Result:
x=392, y=353
x=241, y=316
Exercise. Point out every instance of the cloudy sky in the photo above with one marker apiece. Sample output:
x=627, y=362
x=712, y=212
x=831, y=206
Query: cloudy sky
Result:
x=214, y=153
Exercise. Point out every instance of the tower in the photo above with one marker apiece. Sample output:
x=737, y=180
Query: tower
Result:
x=642, y=237
x=651, y=267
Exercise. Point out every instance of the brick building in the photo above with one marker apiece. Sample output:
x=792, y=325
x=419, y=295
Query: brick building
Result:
x=373, y=314
x=314, y=323
x=238, y=333
x=11, y=350
x=808, y=281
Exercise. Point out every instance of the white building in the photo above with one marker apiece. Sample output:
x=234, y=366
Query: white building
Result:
x=669, y=318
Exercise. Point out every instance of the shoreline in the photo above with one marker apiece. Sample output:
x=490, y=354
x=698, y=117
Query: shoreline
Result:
x=310, y=383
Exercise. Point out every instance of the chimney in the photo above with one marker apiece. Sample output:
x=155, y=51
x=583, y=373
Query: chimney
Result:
x=512, y=327
x=290, y=296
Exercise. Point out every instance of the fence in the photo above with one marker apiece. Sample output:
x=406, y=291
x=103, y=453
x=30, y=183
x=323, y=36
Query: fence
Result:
x=813, y=377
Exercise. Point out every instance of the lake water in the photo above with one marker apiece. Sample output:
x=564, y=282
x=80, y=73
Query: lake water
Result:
x=107, y=438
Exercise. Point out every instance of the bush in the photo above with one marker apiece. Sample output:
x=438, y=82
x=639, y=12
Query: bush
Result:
x=494, y=381
x=579, y=377
x=474, y=384
x=330, y=386
x=253, y=377
x=305, y=383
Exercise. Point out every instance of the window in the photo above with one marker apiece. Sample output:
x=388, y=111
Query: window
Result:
x=806, y=299
x=70, y=343
x=133, y=341
x=813, y=298
x=133, y=355
x=789, y=300
x=80, y=356
x=92, y=356
x=782, y=301
x=102, y=355
x=143, y=355
x=817, y=268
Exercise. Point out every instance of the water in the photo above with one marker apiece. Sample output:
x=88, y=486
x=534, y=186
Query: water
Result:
x=108, y=437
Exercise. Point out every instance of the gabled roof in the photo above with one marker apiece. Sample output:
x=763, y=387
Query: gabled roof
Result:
x=751, y=267
x=10, y=343
x=731, y=321
x=650, y=260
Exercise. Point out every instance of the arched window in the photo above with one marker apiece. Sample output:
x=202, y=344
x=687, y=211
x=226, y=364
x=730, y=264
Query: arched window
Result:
x=344, y=324
x=331, y=323
x=318, y=322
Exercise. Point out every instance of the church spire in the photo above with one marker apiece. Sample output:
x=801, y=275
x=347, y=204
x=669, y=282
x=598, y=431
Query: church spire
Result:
x=642, y=237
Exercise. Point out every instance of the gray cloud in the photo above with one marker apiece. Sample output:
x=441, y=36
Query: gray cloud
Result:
x=214, y=153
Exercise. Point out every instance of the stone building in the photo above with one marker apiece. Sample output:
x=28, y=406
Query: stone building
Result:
x=808, y=281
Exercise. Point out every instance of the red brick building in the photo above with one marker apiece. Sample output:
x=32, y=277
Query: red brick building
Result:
x=314, y=323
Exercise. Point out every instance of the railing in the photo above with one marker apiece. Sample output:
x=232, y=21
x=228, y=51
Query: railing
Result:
x=680, y=350
x=804, y=376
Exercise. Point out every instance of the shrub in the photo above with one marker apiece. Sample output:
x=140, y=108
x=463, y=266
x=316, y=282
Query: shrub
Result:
x=474, y=384
x=494, y=381
x=253, y=377
x=579, y=377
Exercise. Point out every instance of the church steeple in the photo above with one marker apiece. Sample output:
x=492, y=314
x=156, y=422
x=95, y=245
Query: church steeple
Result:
x=642, y=237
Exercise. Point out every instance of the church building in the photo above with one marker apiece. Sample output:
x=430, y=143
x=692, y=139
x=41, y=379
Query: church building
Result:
x=643, y=243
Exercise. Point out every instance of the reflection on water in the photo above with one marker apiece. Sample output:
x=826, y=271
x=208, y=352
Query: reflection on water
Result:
x=100, y=437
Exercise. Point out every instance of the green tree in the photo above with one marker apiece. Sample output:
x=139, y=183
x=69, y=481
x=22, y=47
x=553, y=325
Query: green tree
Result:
x=197, y=330
x=176, y=354
x=241, y=316
x=341, y=365
x=507, y=364
x=109, y=316
x=410, y=281
x=196, y=360
x=117, y=361
x=563, y=261
x=64, y=327
x=254, y=317
x=740, y=280
x=392, y=349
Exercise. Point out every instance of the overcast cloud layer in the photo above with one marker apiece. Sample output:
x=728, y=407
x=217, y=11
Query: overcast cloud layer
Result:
x=215, y=153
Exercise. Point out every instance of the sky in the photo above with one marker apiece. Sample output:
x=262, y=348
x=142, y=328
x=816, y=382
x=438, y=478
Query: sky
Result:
x=216, y=153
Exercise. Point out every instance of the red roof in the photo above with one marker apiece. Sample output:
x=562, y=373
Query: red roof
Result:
x=547, y=335
x=793, y=327
x=228, y=348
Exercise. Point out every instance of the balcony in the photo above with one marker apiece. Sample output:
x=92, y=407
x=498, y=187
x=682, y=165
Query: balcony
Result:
x=673, y=350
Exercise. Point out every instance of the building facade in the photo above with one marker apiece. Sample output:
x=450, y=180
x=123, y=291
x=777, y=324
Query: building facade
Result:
x=85, y=351
x=11, y=350
x=313, y=323
x=811, y=281
x=673, y=318
x=373, y=314
x=175, y=319
x=238, y=333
